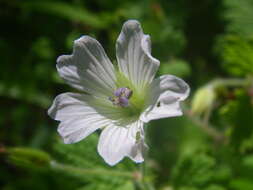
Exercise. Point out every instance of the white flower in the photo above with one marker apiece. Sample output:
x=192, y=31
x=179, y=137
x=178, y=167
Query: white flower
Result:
x=117, y=101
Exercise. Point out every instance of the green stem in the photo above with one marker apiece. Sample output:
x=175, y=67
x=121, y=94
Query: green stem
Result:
x=62, y=167
x=145, y=181
x=205, y=126
x=207, y=115
x=233, y=82
x=142, y=172
x=204, y=123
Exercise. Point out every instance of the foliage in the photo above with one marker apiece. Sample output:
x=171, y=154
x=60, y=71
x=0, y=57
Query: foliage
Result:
x=236, y=54
x=239, y=16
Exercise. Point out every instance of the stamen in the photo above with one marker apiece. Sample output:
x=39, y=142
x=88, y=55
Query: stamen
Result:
x=121, y=97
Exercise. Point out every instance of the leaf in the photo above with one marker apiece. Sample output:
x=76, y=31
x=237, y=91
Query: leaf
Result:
x=194, y=170
x=28, y=157
x=235, y=53
x=242, y=122
x=248, y=161
x=82, y=161
x=239, y=15
x=214, y=187
x=67, y=11
x=241, y=184
x=175, y=67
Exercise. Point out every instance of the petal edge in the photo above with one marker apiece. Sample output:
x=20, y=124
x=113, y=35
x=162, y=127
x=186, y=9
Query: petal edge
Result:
x=167, y=92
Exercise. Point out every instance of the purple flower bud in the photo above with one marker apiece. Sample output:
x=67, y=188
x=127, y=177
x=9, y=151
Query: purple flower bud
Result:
x=123, y=102
x=119, y=91
x=122, y=96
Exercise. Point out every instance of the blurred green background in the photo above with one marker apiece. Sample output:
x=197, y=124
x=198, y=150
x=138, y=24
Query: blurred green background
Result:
x=209, y=43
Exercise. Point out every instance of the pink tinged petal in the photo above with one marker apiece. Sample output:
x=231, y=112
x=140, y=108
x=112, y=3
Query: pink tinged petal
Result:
x=167, y=92
x=116, y=142
x=78, y=119
x=88, y=68
x=133, y=52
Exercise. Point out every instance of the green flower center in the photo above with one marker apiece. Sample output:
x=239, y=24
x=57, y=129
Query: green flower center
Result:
x=137, y=102
x=130, y=109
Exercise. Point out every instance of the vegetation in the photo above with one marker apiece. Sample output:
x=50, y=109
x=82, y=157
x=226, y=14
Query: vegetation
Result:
x=209, y=43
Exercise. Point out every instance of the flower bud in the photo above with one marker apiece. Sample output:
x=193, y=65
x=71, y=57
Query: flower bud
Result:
x=203, y=99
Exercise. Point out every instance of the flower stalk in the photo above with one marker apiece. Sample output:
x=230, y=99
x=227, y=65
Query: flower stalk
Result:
x=81, y=171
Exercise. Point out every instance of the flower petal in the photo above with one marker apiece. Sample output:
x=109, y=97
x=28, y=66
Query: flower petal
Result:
x=133, y=50
x=74, y=130
x=78, y=118
x=88, y=68
x=166, y=93
x=117, y=142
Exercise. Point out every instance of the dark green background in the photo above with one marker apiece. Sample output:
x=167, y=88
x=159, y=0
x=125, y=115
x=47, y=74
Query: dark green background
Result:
x=198, y=40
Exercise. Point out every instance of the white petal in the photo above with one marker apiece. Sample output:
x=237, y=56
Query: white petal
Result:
x=166, y=93
x=74, y=130
x=78, y=118
x=133, y=52
x=88, y=68
x=116, y=142
x=140, y=147
x=68, y=105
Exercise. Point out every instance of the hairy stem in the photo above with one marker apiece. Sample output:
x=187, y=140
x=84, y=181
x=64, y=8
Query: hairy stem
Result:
x=203, y=123
x=62, y=167
x=205, y=126
x=232, y=82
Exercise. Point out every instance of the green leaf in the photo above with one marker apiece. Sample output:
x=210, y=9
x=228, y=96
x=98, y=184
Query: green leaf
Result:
x=248, y=161
x=236, y=55
x=194, y=170
x=241, y=184
x=28, y=157
x=242, y=123
x=175, y=67
x=239, y=15
x=66, y=11
x=82, y=161
x=215, y=187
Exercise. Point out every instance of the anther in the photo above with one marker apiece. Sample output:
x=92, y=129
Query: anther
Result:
x=121, y=97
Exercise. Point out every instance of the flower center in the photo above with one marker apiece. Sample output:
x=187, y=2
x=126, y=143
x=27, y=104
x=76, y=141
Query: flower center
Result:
x=121, y=97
